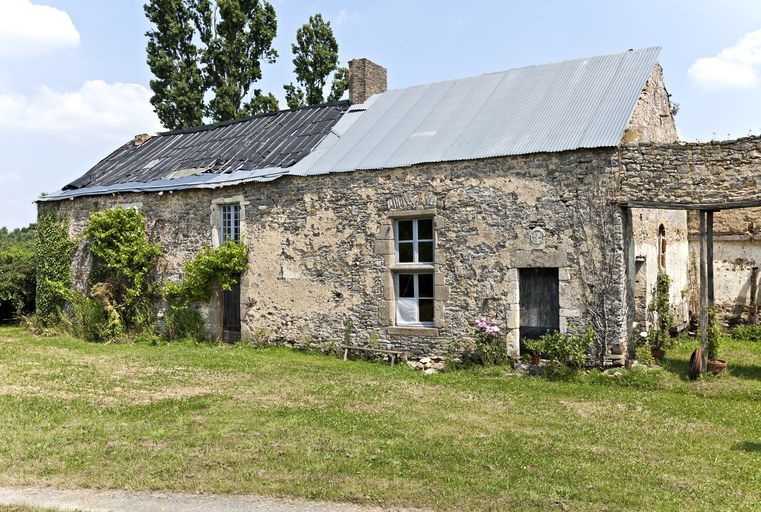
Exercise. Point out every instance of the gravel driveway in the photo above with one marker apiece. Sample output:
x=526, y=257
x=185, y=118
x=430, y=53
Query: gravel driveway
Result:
x=145, y=501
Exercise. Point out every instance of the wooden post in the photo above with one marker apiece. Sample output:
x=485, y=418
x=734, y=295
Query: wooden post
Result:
x=753, y=316
x=709, y=257
x=703, y=293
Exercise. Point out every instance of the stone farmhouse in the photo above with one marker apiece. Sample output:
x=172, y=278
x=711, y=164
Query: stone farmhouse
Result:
x=543, y=197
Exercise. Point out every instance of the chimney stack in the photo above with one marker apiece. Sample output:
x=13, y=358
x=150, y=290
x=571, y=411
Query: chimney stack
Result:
x=365, y=79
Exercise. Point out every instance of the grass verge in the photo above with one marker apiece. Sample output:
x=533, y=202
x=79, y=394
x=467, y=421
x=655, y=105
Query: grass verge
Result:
x=232, y=419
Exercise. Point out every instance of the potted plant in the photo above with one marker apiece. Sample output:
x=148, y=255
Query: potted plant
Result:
x=535, y=347
x=715, y=365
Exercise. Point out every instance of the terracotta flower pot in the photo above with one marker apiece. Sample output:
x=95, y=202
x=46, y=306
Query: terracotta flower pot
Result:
x=717, y=366
x=536, y=359
x=657, y=353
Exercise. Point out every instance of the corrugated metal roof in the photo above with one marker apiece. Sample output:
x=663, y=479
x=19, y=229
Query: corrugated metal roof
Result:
x=581, y=103
x=274, y=140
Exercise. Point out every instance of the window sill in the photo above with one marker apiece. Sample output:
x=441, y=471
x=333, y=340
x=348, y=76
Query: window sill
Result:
x=413, y=330
x=412, y=267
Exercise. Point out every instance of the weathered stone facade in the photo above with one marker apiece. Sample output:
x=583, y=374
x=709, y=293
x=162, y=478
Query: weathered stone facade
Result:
x=652, y=120
x=691, y=174
x=705, y=175
x=322, y=246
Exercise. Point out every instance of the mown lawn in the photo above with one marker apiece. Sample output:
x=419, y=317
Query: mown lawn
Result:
x=233, y=419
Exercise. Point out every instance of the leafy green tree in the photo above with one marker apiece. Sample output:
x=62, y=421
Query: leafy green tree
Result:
x=17, y=271
x=237, y=35
x=178, y=88
x=315, y=59
x=206, y=56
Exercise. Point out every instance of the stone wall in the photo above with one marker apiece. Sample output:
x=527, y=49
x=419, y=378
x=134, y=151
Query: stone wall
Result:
x=646, y=223
x=726, y=173
x=321, y=246
x=690, y=174
x=737, y=250
x=651, y=120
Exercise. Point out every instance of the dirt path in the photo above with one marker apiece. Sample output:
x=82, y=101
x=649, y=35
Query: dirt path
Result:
x=146, y=501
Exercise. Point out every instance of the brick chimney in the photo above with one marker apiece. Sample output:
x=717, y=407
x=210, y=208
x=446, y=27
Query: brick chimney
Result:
x=365, y=79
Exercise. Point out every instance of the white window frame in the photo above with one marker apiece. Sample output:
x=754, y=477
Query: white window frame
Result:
x=415, y=299
x=415, y=241
x=234, y=210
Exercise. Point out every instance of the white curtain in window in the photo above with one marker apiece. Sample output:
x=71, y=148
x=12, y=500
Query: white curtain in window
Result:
x=406, y=310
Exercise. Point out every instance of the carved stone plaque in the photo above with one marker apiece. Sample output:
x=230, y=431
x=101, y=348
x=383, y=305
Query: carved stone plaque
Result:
x=536, y=238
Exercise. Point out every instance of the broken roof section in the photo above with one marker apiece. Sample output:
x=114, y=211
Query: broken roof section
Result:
x=274, y=140
x=581, y=103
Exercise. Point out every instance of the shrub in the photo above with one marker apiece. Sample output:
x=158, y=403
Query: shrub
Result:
x=714, y=335
x=660, y=330
x=18, y=282
x=568, y=349
x=124, y=260
x=184, y=323
x=747, y=333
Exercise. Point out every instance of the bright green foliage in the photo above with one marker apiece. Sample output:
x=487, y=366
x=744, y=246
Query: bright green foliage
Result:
x=17, y=285
x=18, y=237
x=237, y=36
x=221, y=265
x=198, y=47
x=315, y=58
x=183, y=322
x=569, y=349
x=123, y=261
x=714, y=335
x=660, y=337
x=55, y=252
x=747, y=333
x=173, y=58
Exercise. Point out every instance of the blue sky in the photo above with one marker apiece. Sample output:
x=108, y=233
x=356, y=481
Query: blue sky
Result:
x=73, y=78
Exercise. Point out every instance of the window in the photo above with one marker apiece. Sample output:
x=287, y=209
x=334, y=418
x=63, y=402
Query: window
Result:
x=414, y=290
x=662, y=247
x=230, y=223
x=414, y=241
x=414, y=299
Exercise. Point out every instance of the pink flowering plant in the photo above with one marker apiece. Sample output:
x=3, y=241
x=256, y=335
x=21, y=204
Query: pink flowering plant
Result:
x=492, y=348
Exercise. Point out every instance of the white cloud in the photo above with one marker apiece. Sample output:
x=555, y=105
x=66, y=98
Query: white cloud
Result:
x=28, y=29
x=97, y=110
x=735, y=67
x=345, y=17
x=6, y=178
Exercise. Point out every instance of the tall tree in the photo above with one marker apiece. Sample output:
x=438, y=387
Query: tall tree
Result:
x=315, y=58
x=178, y=88
x=237, y=35
x=233, y=37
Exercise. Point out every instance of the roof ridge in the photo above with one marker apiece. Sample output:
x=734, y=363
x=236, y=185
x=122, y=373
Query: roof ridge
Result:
x=531, y=66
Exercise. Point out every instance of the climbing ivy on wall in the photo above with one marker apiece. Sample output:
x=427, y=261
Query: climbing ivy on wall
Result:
x=124, y=262
x=220, y=265
x=55, y=252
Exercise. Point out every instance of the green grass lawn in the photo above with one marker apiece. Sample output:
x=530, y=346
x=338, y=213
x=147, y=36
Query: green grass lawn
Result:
x=232, y=419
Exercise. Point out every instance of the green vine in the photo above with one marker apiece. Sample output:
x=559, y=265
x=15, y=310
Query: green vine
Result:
x=660, y=305
x=220, y=265
x=124, y=262
x=55, y=253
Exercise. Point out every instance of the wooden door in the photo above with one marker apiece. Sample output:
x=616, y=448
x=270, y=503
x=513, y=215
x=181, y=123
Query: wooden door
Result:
x=231, y=314
x=539, y=301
